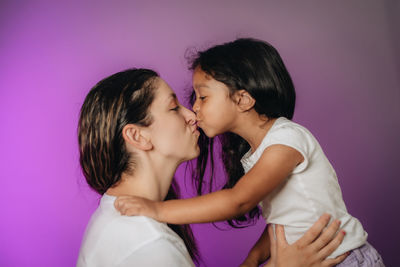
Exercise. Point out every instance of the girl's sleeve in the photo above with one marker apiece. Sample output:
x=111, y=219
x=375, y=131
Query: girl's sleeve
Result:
x=296, y=138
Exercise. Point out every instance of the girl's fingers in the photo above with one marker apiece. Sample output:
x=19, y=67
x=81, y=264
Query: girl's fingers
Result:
x=124, y=203
x=130, y=205
x=332, y=246
x=314, y=231
x=118, y=202
x=326, y=236
x=123, y=198
x=129, y=211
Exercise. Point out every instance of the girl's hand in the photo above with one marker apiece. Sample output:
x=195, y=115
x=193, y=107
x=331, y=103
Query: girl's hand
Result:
x=311, y=249
x=131, y=205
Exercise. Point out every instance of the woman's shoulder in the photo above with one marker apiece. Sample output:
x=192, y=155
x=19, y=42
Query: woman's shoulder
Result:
x=110, y=239
x=138, y=228
x=127, y=233
x=107, y=223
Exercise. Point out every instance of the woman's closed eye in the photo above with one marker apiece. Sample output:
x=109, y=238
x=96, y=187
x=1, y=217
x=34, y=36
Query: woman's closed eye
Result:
x=176, y=108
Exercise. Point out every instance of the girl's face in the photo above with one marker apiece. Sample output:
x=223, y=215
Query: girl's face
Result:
x=214, y=108
x=174, y=131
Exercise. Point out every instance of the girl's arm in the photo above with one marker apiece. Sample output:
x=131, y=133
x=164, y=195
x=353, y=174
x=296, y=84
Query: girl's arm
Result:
x=273, y=167
x=259, y=252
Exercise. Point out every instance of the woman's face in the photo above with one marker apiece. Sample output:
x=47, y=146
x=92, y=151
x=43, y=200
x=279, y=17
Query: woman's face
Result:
x=174, y=130
x=215, y=110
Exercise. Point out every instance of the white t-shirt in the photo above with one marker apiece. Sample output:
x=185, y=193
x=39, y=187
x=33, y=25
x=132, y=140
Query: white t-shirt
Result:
x=115, y=240
x=309, y=191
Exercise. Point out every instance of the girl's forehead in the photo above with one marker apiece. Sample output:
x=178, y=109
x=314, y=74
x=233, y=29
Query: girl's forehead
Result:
x=199, y=74
x=200, y=81
x=204, y=84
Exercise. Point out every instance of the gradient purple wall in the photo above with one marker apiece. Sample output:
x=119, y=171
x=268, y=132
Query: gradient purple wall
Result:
x=343, y=57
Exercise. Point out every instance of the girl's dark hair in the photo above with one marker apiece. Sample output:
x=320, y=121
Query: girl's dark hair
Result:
x=121, y=99
x=255, y=66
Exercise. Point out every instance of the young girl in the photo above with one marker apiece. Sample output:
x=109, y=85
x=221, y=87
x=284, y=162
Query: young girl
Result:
x=245, y=94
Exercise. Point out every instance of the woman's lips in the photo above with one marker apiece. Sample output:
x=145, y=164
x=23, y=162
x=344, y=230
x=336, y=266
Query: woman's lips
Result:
x=195, y=131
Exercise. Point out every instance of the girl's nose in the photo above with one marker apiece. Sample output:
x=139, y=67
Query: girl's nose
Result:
x=196, y=107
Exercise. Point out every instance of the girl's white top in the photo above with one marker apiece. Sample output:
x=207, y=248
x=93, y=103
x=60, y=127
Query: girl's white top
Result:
x=309, y=191
x=115, y=240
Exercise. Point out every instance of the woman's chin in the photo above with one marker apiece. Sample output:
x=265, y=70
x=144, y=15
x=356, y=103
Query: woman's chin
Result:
x=197, y=152
x=191, y=155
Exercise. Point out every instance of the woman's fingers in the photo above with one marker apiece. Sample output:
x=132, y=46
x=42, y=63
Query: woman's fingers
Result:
x=335, y=261
x=310, y=250
x=273, y=246
x=326, y=236
x=314, y=231
x=272, y=238
x=280, y=236
x=332, y=245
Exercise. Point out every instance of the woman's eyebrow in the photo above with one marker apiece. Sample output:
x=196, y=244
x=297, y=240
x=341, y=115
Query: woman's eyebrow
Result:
x=172, y=96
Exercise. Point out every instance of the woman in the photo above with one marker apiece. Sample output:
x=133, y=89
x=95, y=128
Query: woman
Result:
x=133, y=134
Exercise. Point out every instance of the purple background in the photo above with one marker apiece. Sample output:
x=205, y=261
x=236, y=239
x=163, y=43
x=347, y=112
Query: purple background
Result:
x=343, y=56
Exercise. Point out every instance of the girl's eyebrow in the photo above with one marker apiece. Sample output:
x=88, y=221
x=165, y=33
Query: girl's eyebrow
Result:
x=200, y=85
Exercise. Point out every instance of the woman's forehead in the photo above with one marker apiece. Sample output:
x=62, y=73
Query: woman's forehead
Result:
x=164, y=93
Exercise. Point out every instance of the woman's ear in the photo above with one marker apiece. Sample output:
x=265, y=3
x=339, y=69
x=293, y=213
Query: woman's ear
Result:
x=244, y=100
x=135, y=136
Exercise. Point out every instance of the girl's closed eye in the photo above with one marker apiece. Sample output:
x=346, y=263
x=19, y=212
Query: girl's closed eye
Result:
x=202, y=98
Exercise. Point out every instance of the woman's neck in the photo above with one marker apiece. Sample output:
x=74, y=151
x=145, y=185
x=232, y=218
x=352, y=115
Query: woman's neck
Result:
x=150, y=179
x=253, y=127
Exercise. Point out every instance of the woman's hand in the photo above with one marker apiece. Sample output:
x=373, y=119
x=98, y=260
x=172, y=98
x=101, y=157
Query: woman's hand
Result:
x=131, y=205
x=311, y=249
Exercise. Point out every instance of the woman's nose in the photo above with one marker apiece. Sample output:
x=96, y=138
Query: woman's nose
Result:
x=190, y=116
